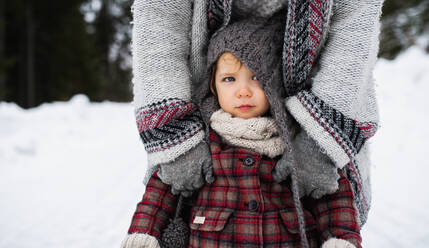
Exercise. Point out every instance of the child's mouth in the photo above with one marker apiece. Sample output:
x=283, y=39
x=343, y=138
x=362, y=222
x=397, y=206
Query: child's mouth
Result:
x=245, y=107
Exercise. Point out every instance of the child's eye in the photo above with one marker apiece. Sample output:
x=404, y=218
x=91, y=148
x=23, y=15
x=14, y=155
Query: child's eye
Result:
x=255, y=78
x=228, y=79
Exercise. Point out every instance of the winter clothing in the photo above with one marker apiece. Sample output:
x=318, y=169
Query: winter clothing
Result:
x=245, y=206
x=188, y=174
x=140, y=240
x=339, y=111
x=176, y=234
x=257, y=43
x=258, y=8
x=167, y=120
x=337, y=243
x=314, y=181
x=260, y=135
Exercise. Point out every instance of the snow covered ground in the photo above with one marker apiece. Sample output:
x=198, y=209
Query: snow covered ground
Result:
x=71, y=172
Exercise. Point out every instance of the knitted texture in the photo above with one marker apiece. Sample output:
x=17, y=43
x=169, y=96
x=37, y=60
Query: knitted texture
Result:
x=343, y=104
x=167, y=120
x=158, y=124
x=199, y=39
x=307, y=25
x=162, y=39
x=189, y=171
x=176, y=235
x=215, y=14
x=340, y=111
x=257, y=43
x=317, y=175
x=140, y=240
x=337, y=243
x=258, y=134
x=260, y=8
x=341, y=117
x=219, y=14
x=162, y=65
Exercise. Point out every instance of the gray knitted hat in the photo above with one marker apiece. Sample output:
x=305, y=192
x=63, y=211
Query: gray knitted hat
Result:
x=257, y=43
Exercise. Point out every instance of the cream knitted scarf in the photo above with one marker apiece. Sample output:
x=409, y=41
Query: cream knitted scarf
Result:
x=259, y=134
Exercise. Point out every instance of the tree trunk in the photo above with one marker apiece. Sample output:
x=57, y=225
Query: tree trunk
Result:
x=2, y=52
x=30, y=56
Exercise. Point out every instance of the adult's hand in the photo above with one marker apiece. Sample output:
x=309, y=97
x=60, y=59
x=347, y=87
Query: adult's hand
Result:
x=189, y=171
x=316, y=173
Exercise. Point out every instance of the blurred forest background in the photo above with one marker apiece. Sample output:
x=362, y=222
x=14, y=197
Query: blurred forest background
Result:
x=52, y=50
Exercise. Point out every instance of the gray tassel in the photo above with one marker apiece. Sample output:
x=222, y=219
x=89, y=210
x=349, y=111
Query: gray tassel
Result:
x=287, y=132
x=176, y=235
x=298, y=205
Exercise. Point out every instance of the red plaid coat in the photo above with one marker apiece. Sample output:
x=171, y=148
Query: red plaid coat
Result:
x=245, y=207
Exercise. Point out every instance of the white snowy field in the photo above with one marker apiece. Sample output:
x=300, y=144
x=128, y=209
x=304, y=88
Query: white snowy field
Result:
x=71, y=172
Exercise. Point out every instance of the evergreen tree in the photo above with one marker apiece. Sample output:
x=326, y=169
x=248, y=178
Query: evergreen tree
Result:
x=403, y=22
x=50, y=55
x=3, y=88
x=113, y=36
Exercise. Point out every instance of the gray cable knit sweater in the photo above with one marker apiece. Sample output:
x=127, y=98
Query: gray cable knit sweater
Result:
x=339, y=111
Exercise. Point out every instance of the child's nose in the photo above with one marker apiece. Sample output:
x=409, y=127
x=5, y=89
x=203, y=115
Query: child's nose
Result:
x=244, y=91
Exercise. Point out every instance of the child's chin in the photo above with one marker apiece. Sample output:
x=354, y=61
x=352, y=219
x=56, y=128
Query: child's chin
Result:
x=245, y=116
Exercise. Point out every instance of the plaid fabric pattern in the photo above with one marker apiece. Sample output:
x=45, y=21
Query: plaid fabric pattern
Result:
x=336, y=214
x=245, y=207
x=155, y=209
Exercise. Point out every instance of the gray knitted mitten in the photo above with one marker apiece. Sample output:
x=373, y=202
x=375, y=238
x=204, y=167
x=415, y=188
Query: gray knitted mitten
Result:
x=317, y=174
x=189, y=171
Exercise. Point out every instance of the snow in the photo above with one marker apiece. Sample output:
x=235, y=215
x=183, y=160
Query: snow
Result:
x=399, y=216
x=71, y=172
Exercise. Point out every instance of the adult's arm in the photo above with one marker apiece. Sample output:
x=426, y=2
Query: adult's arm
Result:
x=167, y=120
x=340, y=111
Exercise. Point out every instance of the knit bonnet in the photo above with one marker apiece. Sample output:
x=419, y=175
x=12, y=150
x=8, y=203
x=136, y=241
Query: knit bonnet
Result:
x=257, y=43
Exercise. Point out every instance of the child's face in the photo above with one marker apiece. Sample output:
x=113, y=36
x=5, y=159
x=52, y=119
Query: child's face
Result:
x=238, y=90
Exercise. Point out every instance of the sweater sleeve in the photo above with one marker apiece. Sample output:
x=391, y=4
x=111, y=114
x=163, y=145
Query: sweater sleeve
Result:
x=336, y=215
x=155, y=209
x=340, y=110
x=168, y=122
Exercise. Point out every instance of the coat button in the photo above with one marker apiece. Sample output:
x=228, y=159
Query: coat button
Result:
x=253, y=205
x=249, y=161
